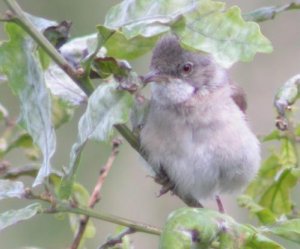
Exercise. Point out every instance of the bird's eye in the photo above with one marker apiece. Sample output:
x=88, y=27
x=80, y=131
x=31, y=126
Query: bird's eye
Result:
x=187, y=68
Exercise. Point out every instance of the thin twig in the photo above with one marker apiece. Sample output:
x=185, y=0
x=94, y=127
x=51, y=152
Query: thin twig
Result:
x=95, y=196
x=14, y=173
x=269, y=12
x=137, y=226
x=118, y=238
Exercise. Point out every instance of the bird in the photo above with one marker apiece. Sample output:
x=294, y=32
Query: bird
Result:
x=196, y=134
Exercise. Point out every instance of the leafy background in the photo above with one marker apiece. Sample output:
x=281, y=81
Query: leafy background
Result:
x=127, y=192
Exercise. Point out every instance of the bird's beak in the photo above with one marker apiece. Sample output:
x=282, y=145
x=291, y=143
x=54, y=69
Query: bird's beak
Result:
x=154, y=76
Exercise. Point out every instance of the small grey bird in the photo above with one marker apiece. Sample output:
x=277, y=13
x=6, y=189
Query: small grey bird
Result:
x=196, y=134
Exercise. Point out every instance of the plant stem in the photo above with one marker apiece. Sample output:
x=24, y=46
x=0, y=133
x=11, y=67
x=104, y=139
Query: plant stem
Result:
x=139, y=227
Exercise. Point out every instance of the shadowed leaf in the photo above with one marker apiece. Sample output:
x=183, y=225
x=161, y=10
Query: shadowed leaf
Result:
x=288, y=229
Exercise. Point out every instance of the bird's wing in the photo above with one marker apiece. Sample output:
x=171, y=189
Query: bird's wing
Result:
x=239, y=97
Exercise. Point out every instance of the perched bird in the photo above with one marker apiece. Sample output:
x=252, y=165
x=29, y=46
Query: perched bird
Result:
x=196, y=135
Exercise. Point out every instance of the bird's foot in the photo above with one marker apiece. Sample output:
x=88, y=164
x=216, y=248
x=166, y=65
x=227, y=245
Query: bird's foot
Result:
x=165, y=181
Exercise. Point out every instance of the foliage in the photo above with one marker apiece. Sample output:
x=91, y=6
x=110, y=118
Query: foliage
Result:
x=48, y=95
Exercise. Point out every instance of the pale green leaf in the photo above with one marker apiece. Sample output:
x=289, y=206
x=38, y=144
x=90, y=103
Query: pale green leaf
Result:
x=278, y=196
x=265, y=178
x=264, y=215
x=19, y=63
x=11, y=189
x=12, y=217
x=202, y=25
x=199, y=228
x=107, y=106
x=288, y=229
x=224, y=34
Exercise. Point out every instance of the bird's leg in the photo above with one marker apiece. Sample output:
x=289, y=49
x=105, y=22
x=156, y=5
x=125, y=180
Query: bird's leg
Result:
x=220, y=204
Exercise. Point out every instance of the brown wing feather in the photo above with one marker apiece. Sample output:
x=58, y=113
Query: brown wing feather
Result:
x=239, y=97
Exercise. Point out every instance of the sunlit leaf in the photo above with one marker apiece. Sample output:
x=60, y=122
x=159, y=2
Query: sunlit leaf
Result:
x=12, y=217
x=19, y=63
x=277, y=198
x=198, y=228
x=106, y=107
x=265, y=177
x=224, y=34
x=11, y=189
x=264, y=215
x=119, y=46
x=274, y=135
x=22, y=141
x=288, y=229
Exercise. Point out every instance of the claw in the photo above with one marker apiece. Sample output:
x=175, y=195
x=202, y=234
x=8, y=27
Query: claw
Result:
x=166, y=188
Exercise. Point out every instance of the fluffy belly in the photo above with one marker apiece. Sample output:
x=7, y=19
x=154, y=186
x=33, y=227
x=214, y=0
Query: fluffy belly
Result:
x=203, y=165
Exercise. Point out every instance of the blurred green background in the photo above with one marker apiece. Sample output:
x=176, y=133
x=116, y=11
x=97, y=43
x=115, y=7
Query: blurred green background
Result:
x=127, y=191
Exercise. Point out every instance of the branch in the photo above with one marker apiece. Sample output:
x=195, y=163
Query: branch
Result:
x=139, y=227
x=19, y=17
x=95, y=196
x=269, y=13
x=118, y=238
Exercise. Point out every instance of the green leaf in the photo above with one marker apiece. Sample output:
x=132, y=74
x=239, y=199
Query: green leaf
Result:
x=62, y=111
x=287, y=94
x=259, y=241
x=222, y=33
x=264, y=215
x=82, y=197
x=19, y=63
x=119, y=46
x=288, y=229
x=22, y=141
x=265, y=177
x=277, y=198
x=201, y=25
x=274, y=135
x=11, y=189
x=190, y=228
x=12, y=217
x=106, y=66
x=106, y=107
x=287, y=157
x=199, y=228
